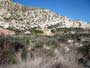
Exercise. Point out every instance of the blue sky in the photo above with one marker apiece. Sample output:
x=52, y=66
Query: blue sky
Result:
x=75, y=9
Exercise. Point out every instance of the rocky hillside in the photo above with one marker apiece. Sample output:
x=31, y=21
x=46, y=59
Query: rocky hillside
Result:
x=16, y=16
x=64, y=47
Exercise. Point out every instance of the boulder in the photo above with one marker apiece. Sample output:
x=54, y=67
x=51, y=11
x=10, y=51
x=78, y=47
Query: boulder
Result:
x=6, y=32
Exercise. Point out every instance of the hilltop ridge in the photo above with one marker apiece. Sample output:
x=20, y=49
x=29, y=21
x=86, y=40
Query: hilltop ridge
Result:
x=19, y=17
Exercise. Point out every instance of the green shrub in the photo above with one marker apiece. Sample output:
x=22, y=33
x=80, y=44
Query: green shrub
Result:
x=35, y=31
x=7, y=55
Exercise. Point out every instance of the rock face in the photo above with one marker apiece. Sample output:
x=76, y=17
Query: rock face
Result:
x=23, y=18
x=6, y=32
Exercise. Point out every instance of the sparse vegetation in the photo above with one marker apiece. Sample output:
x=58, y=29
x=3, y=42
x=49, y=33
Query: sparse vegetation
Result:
x=48, y=48
x=36, y=31
x=9, y=47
